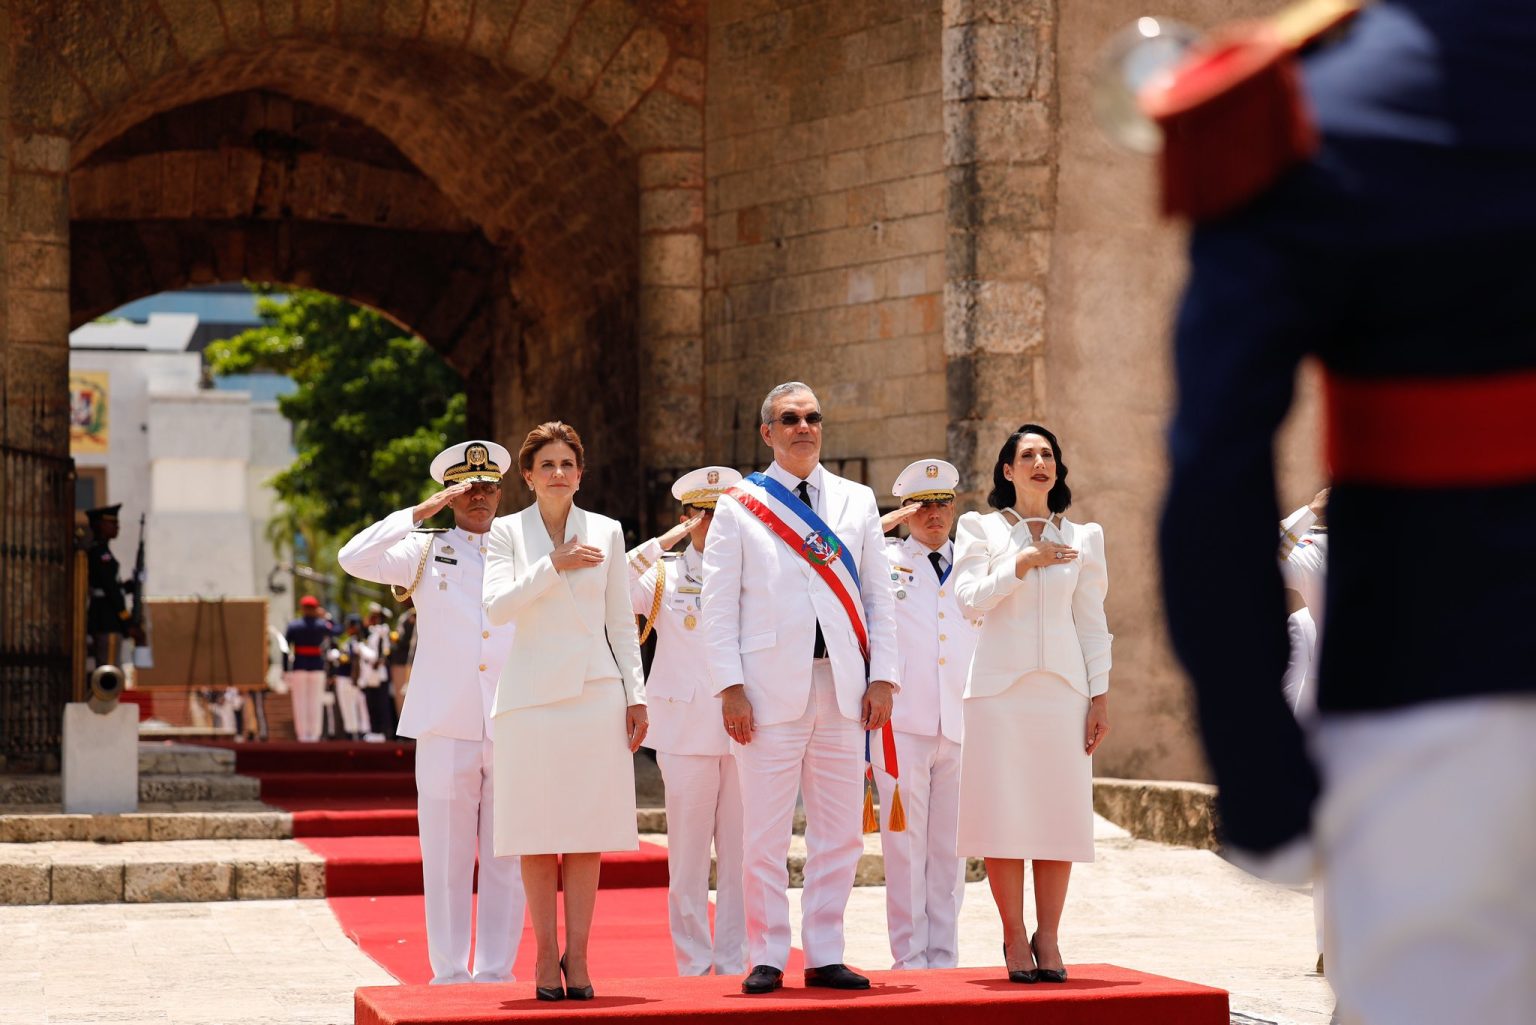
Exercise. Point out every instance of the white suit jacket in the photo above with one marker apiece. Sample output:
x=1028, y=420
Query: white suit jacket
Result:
x=1052, y=619
x=762, y=602
x=459, y=652
x=573, y=626
x=935, y=640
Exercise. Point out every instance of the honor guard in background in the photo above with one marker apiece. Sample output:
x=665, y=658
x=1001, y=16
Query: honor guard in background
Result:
x=308, y=638
x=460, y=656
x=1400, y=254
x=348, y=657
x=802, y=648
x=694, y=754
x=924, y=876
x=107, y=616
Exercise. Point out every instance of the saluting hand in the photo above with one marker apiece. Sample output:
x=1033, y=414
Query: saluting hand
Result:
x=1041, y=553
x=669, y=540
x=902, y=514
x=879, y=697
x=434, y=505
x=575, y=555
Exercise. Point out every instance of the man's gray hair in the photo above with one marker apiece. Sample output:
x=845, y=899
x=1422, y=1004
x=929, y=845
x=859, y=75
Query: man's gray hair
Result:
x=787, y=388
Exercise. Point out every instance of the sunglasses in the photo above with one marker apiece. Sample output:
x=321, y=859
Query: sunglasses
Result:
x=812, y=419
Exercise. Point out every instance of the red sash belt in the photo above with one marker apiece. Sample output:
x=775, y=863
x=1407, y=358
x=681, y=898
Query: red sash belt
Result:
x=1433, y=432
x=306, y=649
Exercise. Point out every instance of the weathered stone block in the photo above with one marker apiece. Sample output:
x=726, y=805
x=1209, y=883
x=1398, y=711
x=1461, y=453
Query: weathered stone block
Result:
x=447, y=22
x=600, y=32
x=25, y=881
x=633, y=70
x=152, y=882
x=670, y=311
x=46, y=153
x=541, y=27
x=675, y=210
x=175, y=827
x=995, y=61
x=1167, y=812
x=311, y=880
x=266, y=880
x=682, y=169
x=663, y=121
x=672, y=259
x=87, y=883
x=1017, y=131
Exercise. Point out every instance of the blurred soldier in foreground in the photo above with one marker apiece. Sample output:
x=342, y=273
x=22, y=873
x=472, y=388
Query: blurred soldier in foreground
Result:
x=449, y=706
x=1401, y=253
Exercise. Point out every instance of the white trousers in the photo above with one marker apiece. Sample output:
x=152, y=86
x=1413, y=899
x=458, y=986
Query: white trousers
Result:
x=821, y=754
x=703, y=805
x=924, y=877
x=352, y=706
x=1427, y=833
x=454, y=806
x=306, y=689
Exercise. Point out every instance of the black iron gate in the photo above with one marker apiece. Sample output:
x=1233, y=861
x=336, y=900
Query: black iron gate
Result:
x=36, y=605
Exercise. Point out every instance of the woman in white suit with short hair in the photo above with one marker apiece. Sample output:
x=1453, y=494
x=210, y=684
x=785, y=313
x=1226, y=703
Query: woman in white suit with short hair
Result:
x=570, y=705
x=1035, y=704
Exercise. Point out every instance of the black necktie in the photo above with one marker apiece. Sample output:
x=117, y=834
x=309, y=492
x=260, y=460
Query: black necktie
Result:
x=804, y=491
x=938, y=570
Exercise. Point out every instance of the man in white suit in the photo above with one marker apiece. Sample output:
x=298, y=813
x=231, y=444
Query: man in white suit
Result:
x=448, y=708
x=924, y=876
x=796, y=595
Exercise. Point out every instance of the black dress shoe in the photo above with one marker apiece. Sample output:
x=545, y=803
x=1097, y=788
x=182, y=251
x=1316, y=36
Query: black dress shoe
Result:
x=575, y=992
x=549, y=992
x=1046, y=974
x=764, y=979
x=835, y=976
x=1030, y=976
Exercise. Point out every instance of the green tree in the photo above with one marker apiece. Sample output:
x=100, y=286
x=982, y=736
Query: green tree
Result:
x=372, y=407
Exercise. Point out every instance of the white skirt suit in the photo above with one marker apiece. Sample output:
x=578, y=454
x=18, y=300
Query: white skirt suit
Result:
x=1026, y=785
x=565, y=778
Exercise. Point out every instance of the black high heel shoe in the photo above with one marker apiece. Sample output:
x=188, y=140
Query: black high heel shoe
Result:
x=1018, y=974
x=1046, y=974
x=575, y=992
x=550, y=992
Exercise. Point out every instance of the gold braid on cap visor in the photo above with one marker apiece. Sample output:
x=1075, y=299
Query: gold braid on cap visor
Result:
x=702, y=498
x=929, y=496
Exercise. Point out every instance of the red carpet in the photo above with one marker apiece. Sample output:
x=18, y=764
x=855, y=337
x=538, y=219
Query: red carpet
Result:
x=1095, y=995
x=630, y=937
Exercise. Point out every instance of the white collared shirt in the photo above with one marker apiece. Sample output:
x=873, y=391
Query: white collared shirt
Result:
x=792, y=482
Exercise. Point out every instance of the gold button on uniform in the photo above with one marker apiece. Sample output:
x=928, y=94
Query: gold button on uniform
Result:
x=941, y=615
x=487, y=633
x=941, y=592
x=943, y=637
x=482, y=667
x=941, y=661
x=482, y=549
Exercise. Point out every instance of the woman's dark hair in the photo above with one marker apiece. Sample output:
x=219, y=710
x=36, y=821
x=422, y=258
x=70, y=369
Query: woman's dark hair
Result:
x=1003, y=495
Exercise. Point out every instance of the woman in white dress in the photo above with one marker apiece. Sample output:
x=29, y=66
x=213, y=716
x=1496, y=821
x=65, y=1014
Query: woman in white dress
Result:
x=570, y=704
x=1035, y=701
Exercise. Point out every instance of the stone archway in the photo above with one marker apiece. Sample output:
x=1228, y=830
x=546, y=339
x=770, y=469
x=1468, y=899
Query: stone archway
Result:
x=520, y=181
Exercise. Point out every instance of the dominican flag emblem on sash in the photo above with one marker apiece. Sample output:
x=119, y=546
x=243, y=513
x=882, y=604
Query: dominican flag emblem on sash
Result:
x=820, y=550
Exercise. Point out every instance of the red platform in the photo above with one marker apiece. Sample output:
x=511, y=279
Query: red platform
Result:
x=1095, y=995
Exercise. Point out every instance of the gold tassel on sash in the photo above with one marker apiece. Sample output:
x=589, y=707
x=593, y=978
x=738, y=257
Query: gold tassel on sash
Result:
x=898, y=817
x=871, y=820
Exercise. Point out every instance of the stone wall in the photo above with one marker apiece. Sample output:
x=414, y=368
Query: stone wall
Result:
x=825, y=245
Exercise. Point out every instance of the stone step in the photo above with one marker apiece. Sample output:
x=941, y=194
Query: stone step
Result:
x=156, y=872
x=177, y=788
x=871, y=870
x=209, y=820
x=167, y=758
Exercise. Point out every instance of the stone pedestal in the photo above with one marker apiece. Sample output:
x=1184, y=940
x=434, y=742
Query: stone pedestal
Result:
x=101, y=760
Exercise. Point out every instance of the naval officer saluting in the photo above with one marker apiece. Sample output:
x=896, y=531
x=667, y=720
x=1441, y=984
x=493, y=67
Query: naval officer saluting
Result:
x=448, y=708
x=802, y=647
x=692, y=750
x=924, y=876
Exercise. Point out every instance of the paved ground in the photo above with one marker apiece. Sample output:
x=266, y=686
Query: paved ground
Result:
x=1169, y=910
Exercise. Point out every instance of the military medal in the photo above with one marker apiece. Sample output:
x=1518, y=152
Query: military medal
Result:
x=901, y=594
x=447, y=549
x=690, y=621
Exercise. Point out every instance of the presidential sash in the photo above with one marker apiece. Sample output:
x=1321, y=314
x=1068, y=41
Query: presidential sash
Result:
x=797, y=525
x=808, y=535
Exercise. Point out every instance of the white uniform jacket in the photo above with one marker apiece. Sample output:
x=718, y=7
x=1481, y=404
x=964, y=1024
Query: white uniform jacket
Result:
x=459, y=653
x=762, y=602
x=1304, y=559
x=1052, y=619
x=935, y=638
x=685, y=712
x=571, y=627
